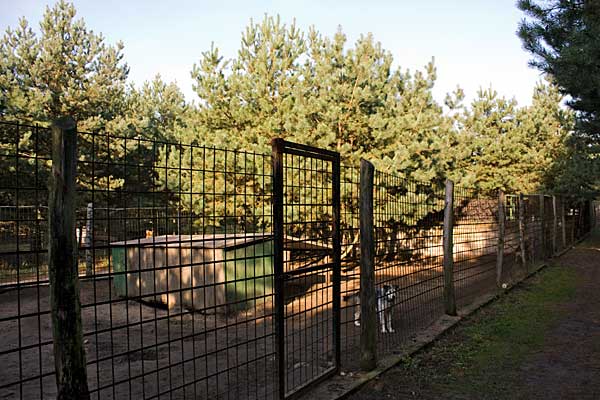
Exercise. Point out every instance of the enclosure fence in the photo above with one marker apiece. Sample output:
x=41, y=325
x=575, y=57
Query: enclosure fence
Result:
x=213, y=273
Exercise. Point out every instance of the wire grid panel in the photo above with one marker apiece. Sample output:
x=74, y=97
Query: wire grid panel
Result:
x=350, y=259
x=596, y=213
x=26, y=345
x=572, y=218
x=578, y=218
x=176, y=258
x=475, y=243
x=408, y=219
x=513, y=267
x=548, y=221
x=561, y=237
x=185, y=311
x=189, y=310
x=534, y=230
x=309, y=313
x=586, y=217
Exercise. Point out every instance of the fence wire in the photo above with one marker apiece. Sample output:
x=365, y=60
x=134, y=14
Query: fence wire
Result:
x=176, y=261
x=475, y=243
x=178, y=302
x=350, y=258
x=408, y=218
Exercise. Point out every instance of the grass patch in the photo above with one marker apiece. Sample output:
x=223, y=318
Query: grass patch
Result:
x=481, y=357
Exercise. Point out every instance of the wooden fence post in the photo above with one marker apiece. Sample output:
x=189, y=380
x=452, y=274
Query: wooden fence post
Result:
x=500, y=254
x=522, y=231
x=89, y=239
x=563, y=222
x=554, y=225
x=368, y=297
x=449, y=296
x=67, y=333
x=573, y=225
x=590, y=210
x=543, y=225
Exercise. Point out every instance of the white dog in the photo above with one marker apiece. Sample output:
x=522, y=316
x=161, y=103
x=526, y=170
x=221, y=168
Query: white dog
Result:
x=386, y=300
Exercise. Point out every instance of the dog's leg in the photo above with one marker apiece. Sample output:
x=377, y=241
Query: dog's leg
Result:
x=389, y=318
x=381, y=317
x=357, y=316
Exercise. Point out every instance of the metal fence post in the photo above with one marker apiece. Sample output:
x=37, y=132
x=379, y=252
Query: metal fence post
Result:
x=449, y=296
x=500, y=254
x=67, y=332
x=368, y=297
x=337, y=245
x=522, y=230
x=278, y=247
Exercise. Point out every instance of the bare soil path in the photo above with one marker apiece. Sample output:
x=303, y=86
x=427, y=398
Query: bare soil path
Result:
x=540, y=341
x=568, y=365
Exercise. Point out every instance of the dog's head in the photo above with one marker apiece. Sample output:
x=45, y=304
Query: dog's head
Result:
x=390, y=292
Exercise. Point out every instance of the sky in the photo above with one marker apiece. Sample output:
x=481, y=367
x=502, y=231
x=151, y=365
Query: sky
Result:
x=473, y=41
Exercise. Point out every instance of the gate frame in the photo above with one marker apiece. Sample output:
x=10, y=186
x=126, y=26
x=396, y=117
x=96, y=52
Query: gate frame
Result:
x=279, y=148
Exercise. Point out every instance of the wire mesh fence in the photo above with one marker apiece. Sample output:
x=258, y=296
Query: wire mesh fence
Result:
x=307, y=238
x=408, y=219
x=178, y=259
x=350, y=262
x=179, y=300
x=596, y=213
x=513, y=265
x=475, y=243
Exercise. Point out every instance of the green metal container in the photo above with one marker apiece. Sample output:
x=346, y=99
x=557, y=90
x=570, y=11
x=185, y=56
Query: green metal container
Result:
x=248, y=274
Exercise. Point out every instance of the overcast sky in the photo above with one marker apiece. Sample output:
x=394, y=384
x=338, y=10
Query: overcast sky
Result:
x=473, y=41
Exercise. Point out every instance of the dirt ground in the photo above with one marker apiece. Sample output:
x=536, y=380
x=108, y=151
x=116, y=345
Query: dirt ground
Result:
x=568, y=366
x=560, y=361
x=138, y=351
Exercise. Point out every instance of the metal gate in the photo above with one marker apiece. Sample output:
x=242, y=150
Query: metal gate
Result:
x=306, y=220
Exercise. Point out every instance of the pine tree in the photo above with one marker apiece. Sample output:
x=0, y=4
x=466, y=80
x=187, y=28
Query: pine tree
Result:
x=547, y=129
x=564, y=38
x=319, y=91
x=496, y=144
x=66, y=70
x=247, y=101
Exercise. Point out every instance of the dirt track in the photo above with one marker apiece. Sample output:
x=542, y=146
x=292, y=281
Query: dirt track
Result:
x=568, y=367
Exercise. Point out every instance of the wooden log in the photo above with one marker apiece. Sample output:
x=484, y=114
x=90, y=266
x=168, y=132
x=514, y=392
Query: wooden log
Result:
x=500, y=252
x=67, y=333
x=448, y=245
x=368, y=296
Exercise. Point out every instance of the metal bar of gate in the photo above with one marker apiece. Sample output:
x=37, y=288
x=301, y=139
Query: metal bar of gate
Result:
x=336, y=275
x=278, y=232
x=280, y=148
